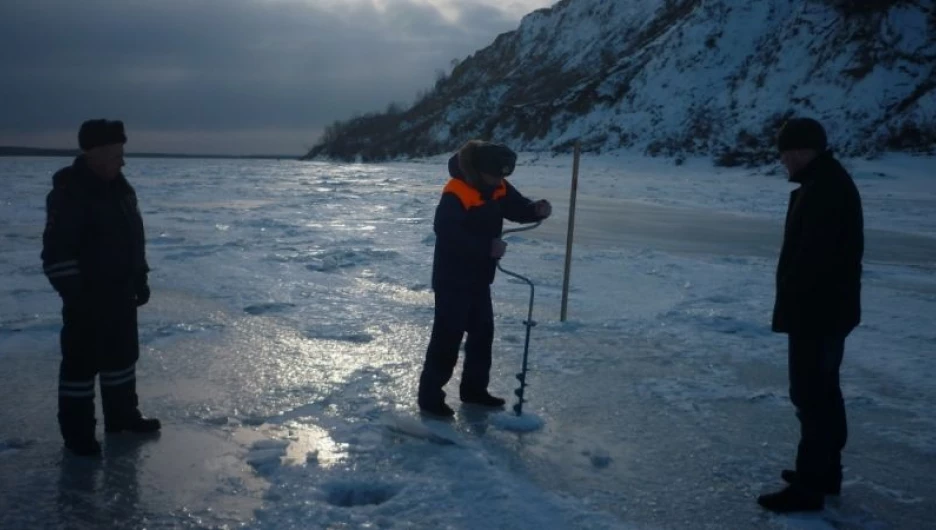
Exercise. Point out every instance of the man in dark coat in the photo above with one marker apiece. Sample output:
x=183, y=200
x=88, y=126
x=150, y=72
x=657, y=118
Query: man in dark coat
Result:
x=818, y=304
x=468, y=224
x=93, y=253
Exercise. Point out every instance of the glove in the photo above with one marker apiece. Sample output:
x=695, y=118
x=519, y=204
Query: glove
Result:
x=142, y=292
x=498, y=248
x=542, y=209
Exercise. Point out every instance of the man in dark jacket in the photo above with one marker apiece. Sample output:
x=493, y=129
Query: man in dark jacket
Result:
x=93, y=253
x=818, y=304
x=468, y=224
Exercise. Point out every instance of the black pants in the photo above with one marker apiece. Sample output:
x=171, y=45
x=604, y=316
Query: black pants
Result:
x=814, y=363
x=458, y=311
x=98, y=338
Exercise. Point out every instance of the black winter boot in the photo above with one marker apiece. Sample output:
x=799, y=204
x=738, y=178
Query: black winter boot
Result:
x=792, y=499
x=137, y=425
x=85, y=446
x=77, y=423
x=484, y=399
x=436, y=408
x=831, y=484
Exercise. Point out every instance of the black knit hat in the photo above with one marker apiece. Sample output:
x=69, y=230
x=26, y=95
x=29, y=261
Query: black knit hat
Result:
x=494, y=159
x=802, y=133
x=95, y=133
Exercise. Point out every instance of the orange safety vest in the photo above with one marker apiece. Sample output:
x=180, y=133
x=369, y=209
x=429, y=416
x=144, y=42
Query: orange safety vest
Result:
x=470, y=197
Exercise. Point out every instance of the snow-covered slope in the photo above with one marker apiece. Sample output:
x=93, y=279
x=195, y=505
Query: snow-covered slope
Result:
x=672, y=77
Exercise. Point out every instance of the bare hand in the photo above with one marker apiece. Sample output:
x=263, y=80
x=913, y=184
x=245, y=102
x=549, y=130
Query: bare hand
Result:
x=498, y=248
x=542, y=209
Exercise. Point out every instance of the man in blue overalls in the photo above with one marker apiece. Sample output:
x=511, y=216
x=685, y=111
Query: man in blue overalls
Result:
x=468, y=224
x=93, y=253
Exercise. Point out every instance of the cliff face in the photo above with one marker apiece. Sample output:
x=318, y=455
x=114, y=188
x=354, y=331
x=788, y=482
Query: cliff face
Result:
x=676, y=77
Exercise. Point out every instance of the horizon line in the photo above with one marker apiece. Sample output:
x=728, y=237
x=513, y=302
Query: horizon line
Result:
x=13, y=150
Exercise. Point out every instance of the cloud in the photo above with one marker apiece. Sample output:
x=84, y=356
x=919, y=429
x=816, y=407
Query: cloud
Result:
x=211, y=66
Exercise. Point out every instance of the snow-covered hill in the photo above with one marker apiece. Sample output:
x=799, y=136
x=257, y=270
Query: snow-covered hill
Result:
x=677, y=77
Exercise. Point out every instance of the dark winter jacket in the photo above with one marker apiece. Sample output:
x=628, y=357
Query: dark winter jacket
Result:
x=93, y=247
x=819, y=273
x=468, y=218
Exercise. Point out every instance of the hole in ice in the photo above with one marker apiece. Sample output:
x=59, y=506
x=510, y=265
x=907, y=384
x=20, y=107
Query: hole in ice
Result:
x=264, y=309
x=600, y=459
x=353, y=337
x=353, y=493
x=331, y=260
x=15, y=444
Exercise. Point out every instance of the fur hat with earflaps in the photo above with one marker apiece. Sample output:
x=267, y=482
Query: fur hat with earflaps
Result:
x=477, y=157
x=802, y=133
x=97, y=133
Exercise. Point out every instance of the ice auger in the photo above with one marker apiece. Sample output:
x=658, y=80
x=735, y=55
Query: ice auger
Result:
x=529, y=323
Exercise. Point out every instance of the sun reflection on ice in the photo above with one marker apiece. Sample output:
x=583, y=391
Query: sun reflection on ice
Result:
x=296, y=444
x=311, y=444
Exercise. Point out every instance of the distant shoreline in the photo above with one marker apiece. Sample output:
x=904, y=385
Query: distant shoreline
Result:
x=7, y=151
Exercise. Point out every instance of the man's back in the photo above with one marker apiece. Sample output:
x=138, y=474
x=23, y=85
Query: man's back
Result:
x=819, y=274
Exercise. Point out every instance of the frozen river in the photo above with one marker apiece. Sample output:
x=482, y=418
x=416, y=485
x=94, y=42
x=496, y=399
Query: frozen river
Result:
x=291, y=311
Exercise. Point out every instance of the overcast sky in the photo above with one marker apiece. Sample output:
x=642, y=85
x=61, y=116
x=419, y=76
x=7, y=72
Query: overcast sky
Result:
x=226, y=76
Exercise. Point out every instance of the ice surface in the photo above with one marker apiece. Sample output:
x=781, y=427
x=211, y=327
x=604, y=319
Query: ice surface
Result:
x=8, y=447
x=522, y=423
x=430, y=430
x=290, y=316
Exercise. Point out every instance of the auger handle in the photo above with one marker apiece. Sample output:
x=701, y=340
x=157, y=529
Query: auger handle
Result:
x=521, y=228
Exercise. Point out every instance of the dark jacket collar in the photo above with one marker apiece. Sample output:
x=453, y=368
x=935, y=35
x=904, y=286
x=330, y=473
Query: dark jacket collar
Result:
x=455, y=172
x=813, y=170
x=88, y=180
